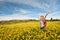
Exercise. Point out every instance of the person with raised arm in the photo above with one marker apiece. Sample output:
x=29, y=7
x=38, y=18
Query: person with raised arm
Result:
x=43, y=21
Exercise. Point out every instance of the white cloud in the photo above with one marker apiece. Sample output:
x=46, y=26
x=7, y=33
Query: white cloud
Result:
x=54, y=15
x=15, y=16
x=21, y=11
x=33, y=3
x=47, y=4
x=22, y=17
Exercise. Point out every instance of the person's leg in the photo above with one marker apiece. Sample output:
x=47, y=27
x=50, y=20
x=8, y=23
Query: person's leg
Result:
x=43, y=28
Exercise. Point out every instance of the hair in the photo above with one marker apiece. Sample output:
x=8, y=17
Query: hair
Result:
x=42, y=16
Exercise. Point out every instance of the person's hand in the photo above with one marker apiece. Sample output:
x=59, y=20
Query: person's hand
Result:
x=46, y=14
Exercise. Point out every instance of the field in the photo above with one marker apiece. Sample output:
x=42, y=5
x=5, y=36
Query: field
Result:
x=30, y=31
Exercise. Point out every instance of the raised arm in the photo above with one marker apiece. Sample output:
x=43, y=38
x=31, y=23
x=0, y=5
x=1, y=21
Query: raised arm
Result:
x=46, y=14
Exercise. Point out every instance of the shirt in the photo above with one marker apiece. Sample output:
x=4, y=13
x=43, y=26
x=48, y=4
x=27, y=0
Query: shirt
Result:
x=43, y=24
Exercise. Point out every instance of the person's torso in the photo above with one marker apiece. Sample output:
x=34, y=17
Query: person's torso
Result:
x=43, y=22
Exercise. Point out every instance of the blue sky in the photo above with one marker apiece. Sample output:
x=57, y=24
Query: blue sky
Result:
x=29, y=9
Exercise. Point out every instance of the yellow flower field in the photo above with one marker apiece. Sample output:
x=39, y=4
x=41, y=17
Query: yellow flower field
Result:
x=30, y=31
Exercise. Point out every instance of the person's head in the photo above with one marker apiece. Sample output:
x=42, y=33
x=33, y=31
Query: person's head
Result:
x=42, y=16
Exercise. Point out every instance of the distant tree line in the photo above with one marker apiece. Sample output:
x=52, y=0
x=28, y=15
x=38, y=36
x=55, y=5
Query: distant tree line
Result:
x=20, y=21
x=16, y=21
x=54, y=19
